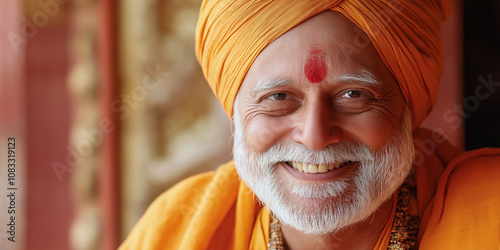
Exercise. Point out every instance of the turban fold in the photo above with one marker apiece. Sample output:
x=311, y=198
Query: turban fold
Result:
x=406, y=33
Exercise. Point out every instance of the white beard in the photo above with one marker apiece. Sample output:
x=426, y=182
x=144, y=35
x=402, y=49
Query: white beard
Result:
x=329, y=207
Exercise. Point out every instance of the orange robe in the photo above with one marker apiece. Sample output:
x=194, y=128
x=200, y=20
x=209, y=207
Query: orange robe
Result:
x=458, y=201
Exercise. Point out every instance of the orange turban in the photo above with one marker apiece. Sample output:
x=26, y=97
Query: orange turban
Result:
x=407, y=35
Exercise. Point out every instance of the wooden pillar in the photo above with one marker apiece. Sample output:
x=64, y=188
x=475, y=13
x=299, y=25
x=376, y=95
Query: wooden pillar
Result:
x=109, y=174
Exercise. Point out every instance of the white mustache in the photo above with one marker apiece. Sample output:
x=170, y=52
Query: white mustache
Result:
x=341, y=152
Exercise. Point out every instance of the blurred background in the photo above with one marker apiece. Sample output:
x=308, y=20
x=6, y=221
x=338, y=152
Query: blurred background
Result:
x=109, y=108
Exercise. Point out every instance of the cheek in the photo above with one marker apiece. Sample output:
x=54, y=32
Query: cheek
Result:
x=263, y=132
x=378, y=125
x=373, y=129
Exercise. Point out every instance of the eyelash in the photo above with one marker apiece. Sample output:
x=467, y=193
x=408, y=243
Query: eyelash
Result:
x=359, y=92
x=273, y=96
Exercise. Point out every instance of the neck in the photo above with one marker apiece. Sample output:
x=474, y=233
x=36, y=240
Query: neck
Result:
x=362, y=235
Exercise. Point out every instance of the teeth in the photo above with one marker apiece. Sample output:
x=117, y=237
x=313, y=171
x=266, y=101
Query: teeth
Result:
x=299, y=167
x=322, y=168
x=313, y=168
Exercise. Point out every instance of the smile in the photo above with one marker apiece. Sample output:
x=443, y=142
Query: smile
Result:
x=317, y=169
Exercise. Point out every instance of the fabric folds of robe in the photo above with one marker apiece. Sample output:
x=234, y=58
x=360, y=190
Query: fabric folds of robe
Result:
x=407, y=35
x=458, y=200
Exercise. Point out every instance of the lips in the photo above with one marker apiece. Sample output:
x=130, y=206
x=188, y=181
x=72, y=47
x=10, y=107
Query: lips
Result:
x=317, y=169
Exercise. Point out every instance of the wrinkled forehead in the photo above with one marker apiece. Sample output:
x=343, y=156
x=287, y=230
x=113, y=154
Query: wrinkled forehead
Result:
x=328, y=36
x=328, y=30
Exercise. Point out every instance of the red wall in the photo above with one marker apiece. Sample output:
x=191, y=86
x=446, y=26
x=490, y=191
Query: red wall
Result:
x=34, y=108
x=49, y=206
x=451, y=86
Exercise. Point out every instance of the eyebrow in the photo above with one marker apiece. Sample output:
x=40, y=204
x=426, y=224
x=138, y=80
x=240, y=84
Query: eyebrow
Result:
x=264, y=84
x=364, y=77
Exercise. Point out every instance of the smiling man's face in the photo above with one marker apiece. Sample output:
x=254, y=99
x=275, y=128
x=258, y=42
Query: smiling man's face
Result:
x=323, y=135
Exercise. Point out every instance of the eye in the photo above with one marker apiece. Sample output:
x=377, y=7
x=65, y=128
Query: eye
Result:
x=279, y=103
x=353, y=100
x=278, y=96
x=353, y=94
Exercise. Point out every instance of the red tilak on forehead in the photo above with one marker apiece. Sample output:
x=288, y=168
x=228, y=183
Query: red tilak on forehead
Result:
x=315, y=68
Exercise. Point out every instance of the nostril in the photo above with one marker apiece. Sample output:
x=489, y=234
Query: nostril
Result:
x=317, y=138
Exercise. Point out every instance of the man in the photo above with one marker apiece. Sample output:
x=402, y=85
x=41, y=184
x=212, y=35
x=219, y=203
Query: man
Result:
x=326, y=99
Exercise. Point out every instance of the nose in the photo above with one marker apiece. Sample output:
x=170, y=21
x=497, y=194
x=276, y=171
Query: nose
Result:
x=317, y=127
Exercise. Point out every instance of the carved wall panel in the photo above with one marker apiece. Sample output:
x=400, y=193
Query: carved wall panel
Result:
x=172, y=125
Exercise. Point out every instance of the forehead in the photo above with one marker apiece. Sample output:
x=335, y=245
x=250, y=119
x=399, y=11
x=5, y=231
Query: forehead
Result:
x=344, y=47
